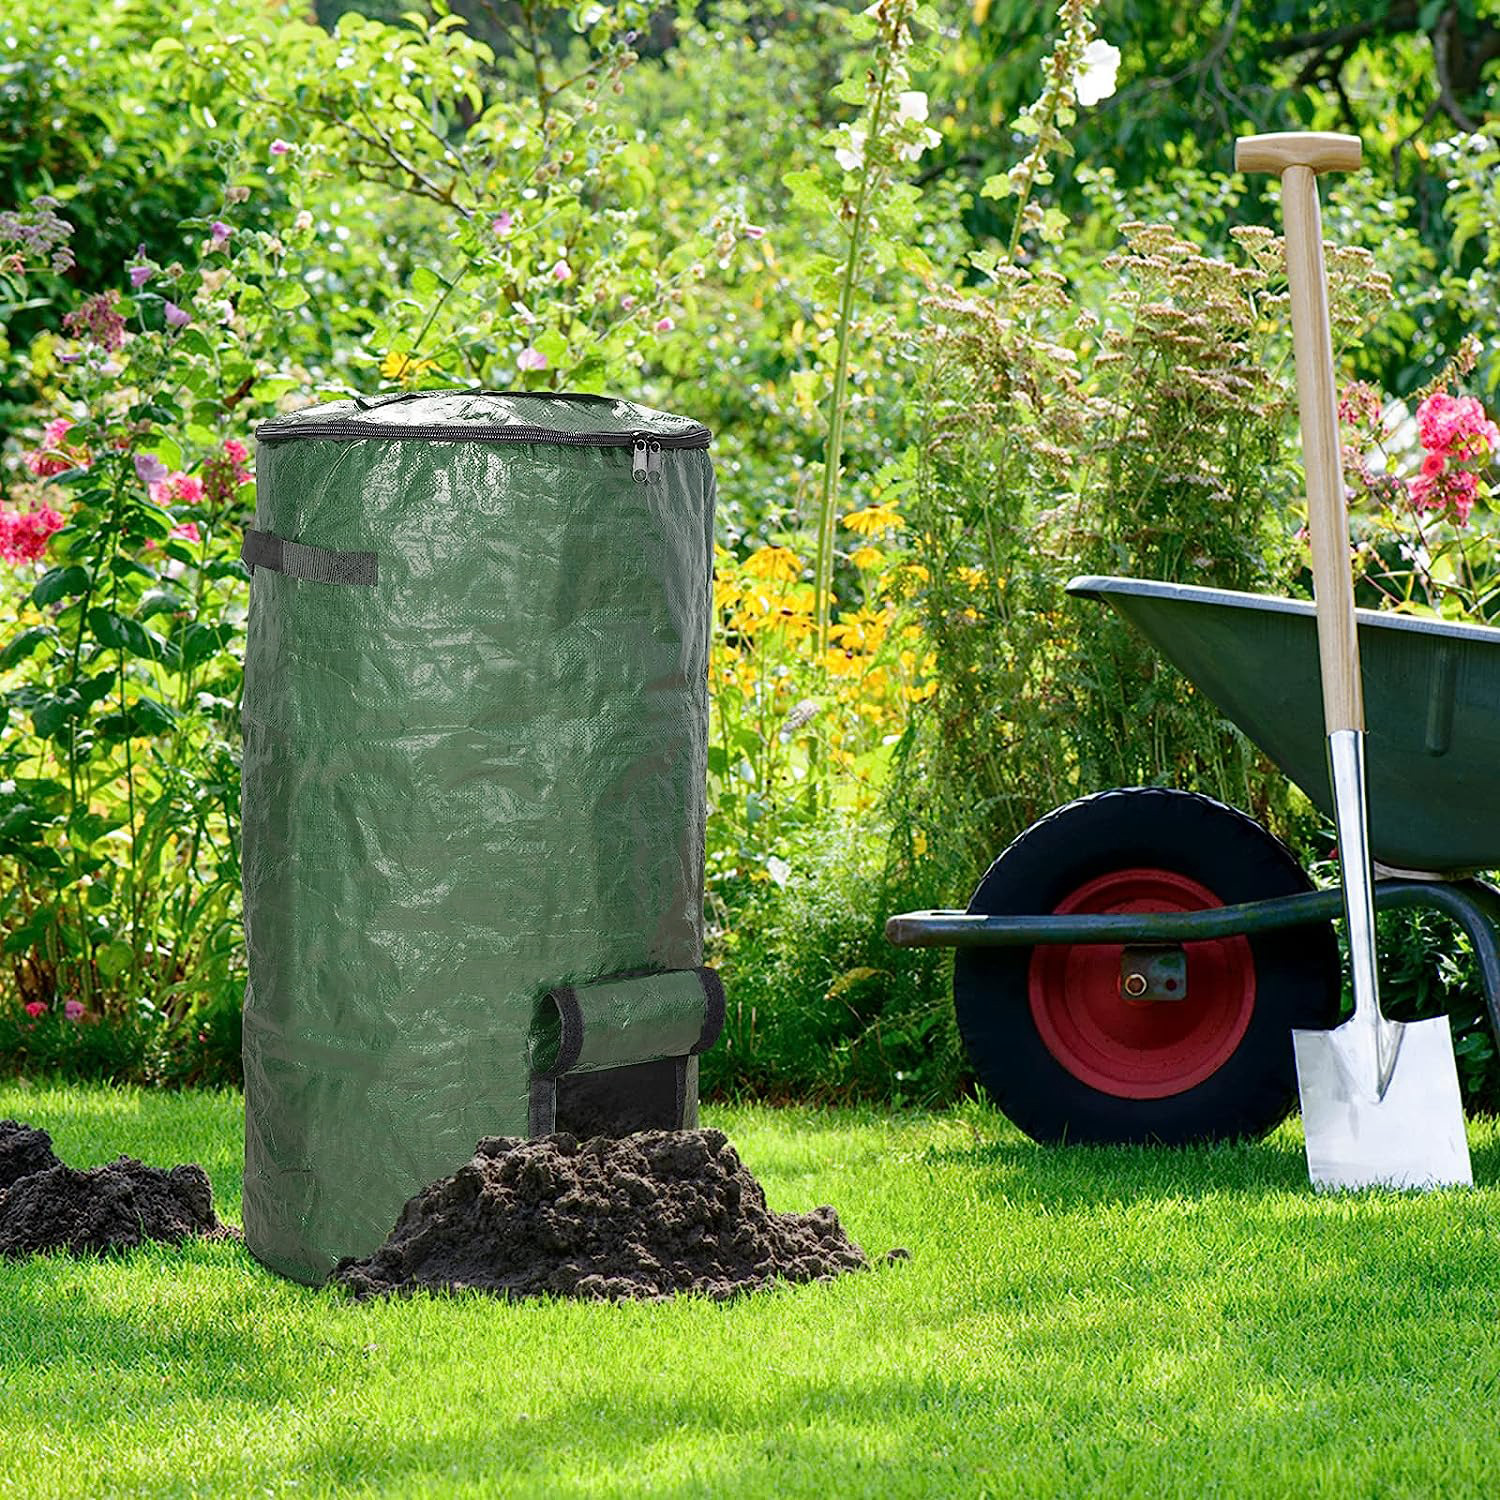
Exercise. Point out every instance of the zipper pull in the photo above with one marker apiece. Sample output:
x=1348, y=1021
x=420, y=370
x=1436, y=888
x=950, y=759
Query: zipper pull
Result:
x=653, y=460
x=638, y=461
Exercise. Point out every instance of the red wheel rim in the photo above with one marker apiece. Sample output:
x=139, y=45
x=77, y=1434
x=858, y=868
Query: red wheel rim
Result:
x=1135, y=1049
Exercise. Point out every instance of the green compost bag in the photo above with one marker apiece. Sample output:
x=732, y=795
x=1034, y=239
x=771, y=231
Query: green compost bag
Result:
x=475, y=724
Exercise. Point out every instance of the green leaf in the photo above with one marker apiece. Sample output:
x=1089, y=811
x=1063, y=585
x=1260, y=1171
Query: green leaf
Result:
x=807, y=190
x=425, y=281
x=271, y=386
x=26, y=644
x=161, y=601
x=131, y=637
x=113, y=959
x=287, y=295
x=60, y=583
x=201, y=641
x=141, y=720
x=553, y=345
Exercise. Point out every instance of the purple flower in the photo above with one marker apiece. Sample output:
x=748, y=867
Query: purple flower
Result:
x=140, y=275
x=73, y=1009
x=149, y=468
x=219, y=233
x=531, y=359
x=755, y=231
x=280, y=147
x=176, y=317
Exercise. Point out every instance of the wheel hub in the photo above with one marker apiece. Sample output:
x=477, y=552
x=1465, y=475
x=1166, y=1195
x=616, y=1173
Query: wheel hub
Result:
x=1159, y=1041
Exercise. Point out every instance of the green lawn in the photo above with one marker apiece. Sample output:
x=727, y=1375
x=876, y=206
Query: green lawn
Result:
x=1072, y=1322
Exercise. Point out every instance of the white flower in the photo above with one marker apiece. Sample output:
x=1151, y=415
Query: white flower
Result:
x=913, y=150
x=911, y=105
x=1097, y=69
x=851, y=155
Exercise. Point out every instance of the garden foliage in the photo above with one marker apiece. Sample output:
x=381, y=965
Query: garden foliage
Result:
x=956, y=287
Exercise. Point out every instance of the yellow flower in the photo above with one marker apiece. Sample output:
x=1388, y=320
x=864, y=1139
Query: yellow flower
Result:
x=873, y=519
x=778, y=563
x=398, y=366
x=867, y=557
x=974, y=577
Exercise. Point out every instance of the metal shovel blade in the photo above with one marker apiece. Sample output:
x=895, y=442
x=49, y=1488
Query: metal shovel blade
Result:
x=1408, y=1135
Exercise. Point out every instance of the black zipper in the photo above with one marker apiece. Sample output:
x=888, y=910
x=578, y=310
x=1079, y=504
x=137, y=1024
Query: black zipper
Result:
x=351, y=429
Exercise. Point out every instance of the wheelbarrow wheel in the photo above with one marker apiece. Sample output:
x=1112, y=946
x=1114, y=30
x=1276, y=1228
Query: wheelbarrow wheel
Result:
x=1049, y=1030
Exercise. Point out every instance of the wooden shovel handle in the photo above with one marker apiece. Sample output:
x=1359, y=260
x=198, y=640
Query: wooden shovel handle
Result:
x=1297, y=157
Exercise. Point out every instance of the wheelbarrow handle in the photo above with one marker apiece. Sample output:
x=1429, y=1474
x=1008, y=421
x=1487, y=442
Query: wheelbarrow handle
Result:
x=1297, y=157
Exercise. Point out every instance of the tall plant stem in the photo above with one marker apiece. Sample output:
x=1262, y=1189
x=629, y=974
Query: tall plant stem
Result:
x=833, y=451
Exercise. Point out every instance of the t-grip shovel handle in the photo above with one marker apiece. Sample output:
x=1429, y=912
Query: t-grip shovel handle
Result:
x=1297, y=157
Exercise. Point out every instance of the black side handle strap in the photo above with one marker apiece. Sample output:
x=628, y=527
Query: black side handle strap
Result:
x=263, y=549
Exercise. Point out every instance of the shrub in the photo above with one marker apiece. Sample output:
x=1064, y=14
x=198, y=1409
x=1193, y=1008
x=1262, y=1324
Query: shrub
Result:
x=820, y=1006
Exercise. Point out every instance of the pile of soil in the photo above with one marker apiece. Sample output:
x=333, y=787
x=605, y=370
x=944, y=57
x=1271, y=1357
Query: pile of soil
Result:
x=641, y=1217
x=45, y=1205
x=23, y=1151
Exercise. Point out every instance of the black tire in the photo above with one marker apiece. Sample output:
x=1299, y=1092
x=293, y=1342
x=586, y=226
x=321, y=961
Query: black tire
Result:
x=1296, y=972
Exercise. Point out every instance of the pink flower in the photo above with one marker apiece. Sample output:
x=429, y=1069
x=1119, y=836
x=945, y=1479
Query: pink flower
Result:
x=73, y=1010
x=95, y=318
x=280, y=147
x=35, y=1008
x=224, y=472
x=187, y=530
x=1456, y=426
x=23, y=534
x=149, y=469
x=184, y=488
x=754, y=232
x=218, y=233
x=562, y=271
x=503, y=223
x=1359, y=405
x=176, y=317
x=627, y=301
x=52, y=456
x=531, y=358
x=663, y=325
x=140, y=275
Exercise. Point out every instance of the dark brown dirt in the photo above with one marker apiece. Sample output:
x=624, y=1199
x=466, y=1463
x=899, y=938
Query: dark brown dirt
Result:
x=114, y=1207
x=23, y=1151
x=642, y=1217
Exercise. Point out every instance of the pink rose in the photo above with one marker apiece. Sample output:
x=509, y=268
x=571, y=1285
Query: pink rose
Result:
x=35, y=1008
x=73, y=1010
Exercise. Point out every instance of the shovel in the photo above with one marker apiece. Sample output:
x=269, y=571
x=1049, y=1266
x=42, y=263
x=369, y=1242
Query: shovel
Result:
x=1380, y=1099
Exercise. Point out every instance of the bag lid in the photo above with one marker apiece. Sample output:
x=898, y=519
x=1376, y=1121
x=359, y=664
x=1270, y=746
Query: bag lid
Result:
x=462, y=415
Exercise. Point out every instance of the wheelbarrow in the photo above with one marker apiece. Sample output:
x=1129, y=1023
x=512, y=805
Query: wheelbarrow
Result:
x=1132, y=967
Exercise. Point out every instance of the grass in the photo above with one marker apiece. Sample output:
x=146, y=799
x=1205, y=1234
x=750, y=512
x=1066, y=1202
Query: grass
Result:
x=1072, y=1322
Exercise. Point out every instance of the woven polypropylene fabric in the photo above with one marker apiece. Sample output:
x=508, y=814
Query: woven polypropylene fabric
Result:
x=477, y=780
x=617, y=1022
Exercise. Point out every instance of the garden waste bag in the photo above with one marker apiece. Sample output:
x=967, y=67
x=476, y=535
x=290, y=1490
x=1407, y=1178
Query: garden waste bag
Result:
x=475, y=724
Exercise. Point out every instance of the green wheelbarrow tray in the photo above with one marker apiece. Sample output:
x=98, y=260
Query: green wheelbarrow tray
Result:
x=1432, y=704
